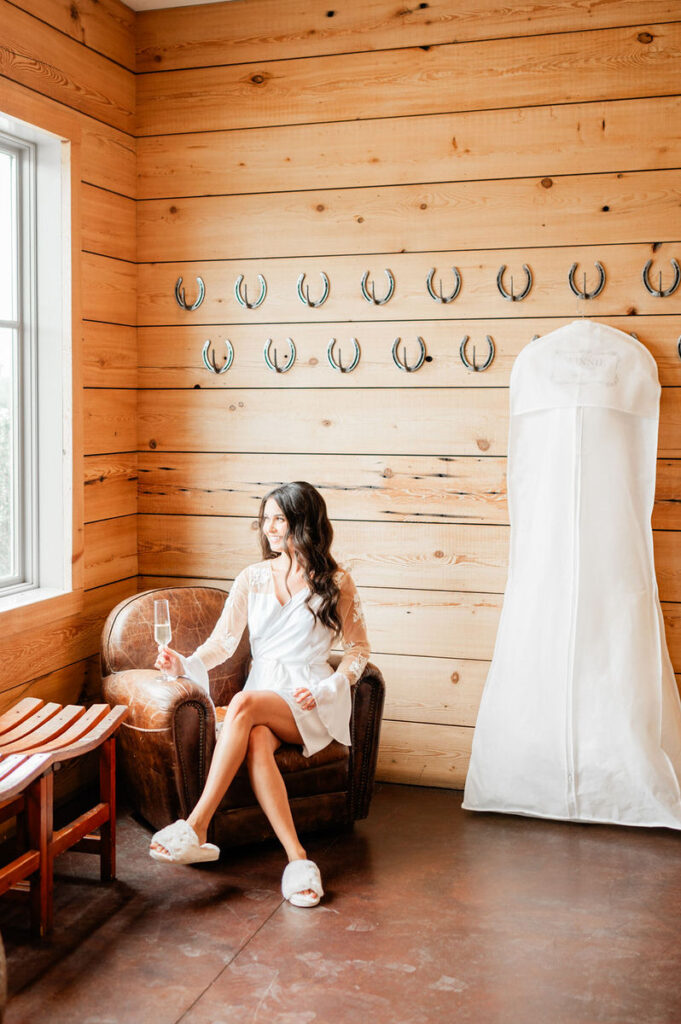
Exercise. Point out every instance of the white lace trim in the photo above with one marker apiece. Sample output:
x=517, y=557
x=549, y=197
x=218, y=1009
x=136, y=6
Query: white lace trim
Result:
x=357, y=613
x=228, y=642
x=260, y=577
x=356, y=667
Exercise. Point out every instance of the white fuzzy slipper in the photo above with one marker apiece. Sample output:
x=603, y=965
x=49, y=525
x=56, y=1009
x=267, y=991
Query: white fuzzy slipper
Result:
x=298, y=876
x=182, y=844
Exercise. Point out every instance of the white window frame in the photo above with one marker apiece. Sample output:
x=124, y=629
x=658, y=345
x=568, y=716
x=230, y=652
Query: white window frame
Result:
x=44, y=368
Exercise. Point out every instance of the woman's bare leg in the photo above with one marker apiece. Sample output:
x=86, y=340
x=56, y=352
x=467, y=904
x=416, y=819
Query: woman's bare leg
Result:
x=245, y=711
x=269, y=788
x=268, y=785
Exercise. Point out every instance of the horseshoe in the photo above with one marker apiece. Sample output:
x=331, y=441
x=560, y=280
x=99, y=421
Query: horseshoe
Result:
x=438, y=296
x=243, y=299
x=404, y=365
x=510, y=295
x=273, y=364
x=209, y=360
x=473, y=366
x=337, y=363
x=180, y=296
x=372, y=298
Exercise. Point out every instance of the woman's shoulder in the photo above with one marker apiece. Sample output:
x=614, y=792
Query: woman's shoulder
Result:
x=254, y=576
x=258, y=574
x=342, y=577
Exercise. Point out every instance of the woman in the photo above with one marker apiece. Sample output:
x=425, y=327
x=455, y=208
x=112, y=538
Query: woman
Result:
x=296, y=602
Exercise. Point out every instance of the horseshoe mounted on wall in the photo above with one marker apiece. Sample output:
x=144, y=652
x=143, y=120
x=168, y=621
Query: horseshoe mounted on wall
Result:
x=305, y=298
x=659, y=291
x=243, y=299
x=473, y=365
x=372, y=297
x=209, y=357
x=181, y=299
x=584, y=294
x=337, y=364
x=273, y=364
x=403, y=364
x=511, y=296
x=439, y=296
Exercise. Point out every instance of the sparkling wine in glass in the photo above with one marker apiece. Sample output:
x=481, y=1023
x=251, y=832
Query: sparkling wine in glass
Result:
x=163, y=633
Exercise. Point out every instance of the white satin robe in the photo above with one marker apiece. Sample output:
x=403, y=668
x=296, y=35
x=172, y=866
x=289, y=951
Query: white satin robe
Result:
x=290, y=649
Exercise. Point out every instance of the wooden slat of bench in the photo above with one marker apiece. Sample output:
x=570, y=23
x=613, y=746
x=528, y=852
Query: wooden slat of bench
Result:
x=21, y=711
x=82, y=728
x=10, y=763
x=22, y=774
x=95, y=736
x=34, y=721
x=48, y=731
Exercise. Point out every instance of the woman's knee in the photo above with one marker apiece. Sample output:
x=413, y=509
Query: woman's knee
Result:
x=240, y=706
x=260, y=744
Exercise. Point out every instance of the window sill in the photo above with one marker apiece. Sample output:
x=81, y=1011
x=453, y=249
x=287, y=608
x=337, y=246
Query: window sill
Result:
x=36, y=609
x=32, y=596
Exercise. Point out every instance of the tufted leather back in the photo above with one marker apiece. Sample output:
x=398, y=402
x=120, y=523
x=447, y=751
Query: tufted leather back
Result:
x=128, y=635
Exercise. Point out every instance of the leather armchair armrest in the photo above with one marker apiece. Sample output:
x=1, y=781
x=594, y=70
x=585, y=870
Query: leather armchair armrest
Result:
x=368, y=696
x=167, y=743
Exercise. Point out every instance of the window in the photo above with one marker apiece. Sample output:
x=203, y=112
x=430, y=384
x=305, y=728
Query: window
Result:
x=35, y=391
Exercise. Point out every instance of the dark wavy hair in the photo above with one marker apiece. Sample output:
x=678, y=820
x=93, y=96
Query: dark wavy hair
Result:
x=311, y=534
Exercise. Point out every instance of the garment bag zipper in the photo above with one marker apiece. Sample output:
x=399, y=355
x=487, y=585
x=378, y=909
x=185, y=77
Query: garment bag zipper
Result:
x=570, y=789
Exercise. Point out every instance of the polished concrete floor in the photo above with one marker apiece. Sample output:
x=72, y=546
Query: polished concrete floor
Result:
x=432, y=914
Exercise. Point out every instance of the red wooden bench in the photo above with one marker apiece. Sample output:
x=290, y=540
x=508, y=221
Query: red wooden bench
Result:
x=35, y=736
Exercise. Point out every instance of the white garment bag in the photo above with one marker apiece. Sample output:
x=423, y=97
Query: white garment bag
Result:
x=580, y=718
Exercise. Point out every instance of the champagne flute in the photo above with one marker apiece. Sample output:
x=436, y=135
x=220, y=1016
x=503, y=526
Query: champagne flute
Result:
x=163, y=633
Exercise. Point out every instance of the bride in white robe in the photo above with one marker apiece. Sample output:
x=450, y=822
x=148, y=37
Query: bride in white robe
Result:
x=296, y=602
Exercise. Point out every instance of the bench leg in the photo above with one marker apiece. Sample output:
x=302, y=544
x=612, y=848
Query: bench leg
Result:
x=39, y=820
x=107, y=795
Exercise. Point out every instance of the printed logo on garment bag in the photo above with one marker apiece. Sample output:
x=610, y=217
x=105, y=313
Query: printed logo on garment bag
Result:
x=584, y=368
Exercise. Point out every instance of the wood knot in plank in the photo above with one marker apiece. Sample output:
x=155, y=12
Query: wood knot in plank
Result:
x=482, y=444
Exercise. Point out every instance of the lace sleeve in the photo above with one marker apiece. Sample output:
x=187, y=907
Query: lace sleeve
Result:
x=356, y=648
x=229, y=628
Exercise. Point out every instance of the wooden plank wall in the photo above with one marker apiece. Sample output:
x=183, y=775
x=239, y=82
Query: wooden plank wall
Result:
x=57, y=59
x=278, y=138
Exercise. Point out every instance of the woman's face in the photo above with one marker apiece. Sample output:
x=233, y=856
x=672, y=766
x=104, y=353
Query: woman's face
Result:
x=275, y=526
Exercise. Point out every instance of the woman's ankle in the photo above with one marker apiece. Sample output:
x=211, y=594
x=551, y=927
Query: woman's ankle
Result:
x=200, y=827
x=297, y=853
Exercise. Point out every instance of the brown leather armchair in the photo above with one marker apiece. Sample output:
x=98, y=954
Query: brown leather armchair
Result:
x=167, y=741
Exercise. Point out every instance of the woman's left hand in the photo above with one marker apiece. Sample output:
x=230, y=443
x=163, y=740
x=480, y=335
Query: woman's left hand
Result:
x=305, y=699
